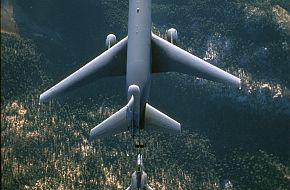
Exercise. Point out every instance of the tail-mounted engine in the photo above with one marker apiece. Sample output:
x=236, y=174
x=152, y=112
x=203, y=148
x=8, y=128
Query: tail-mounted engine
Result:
x=171, y=35
x=111, y=40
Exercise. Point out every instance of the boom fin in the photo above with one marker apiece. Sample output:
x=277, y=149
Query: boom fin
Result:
x=156, y=120
x=167, y=57
x=110, y=63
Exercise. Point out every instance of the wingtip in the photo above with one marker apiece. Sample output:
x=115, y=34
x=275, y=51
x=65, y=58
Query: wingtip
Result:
x=180, y=126
x=40, y=101
x=91, y=140
x=92, y=136
x=236, y=82
x=239, y=84
x=42, y=98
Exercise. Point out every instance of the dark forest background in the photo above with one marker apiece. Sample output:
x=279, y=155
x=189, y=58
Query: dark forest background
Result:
x=241, y=136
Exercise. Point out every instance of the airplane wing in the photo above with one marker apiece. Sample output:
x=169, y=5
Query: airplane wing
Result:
x=167, y=57
x=110, y=63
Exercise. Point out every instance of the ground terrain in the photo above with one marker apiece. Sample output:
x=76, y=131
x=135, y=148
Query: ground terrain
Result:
x=228, y=134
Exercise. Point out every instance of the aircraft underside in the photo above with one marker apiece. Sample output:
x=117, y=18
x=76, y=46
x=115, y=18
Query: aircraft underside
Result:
x=166, y=57
x=137, y=57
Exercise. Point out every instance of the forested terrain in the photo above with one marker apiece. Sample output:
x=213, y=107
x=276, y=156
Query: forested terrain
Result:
x=228, y=134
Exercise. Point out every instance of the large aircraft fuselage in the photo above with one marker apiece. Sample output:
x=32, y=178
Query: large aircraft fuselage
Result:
x=139, y=57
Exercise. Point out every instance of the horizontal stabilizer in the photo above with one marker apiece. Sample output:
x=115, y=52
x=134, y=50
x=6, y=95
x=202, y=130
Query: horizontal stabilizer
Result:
x=156, y=120
x=115, y=124
x=167, y=57
x=110, y=63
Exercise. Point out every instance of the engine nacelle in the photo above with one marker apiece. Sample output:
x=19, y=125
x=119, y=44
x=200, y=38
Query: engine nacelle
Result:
x=171, y=35
x=111, y=40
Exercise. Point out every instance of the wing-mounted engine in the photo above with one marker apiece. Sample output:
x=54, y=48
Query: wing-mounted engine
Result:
x=171, y=35
x=110, y=40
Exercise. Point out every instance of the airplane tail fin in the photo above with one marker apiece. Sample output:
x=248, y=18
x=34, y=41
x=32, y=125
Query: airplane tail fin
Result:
x=156, y=120
x=118, y=122
x=115, y=124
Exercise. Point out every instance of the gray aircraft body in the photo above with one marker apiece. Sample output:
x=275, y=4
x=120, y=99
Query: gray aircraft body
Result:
x=137, y=56
x=139, y=177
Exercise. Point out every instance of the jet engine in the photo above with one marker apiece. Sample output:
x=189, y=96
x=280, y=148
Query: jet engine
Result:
x=171, y=35
x=110, y=41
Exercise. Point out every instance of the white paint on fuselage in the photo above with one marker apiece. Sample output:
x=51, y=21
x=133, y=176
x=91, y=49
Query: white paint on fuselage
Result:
x=139, y=50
